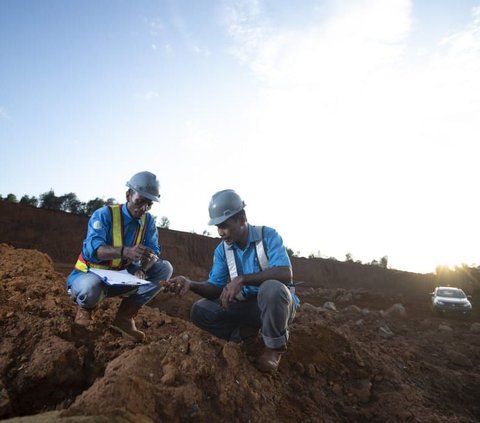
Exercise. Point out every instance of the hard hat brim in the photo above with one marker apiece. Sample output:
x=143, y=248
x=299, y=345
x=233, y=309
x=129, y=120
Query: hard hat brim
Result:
x=147, y=195
x=218, y=220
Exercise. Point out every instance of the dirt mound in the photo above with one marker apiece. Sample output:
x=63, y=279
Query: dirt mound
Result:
x=364, y=362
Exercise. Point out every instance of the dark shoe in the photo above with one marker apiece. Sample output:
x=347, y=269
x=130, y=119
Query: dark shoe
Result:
x=124, y=323
x=83, y=317
x=269, y=361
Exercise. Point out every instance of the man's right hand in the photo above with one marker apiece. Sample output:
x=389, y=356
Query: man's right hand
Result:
x=182, y=284
x=137, y=253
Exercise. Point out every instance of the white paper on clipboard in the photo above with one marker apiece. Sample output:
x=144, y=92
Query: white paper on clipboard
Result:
x=118, y=277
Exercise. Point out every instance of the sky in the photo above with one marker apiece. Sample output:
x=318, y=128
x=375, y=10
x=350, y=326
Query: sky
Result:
x=348, y=126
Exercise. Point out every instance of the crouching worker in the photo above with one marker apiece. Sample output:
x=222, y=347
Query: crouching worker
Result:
x=120, y=237
x=249, y=286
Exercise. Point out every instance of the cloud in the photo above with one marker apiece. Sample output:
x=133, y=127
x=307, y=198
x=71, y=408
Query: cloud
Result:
x=352, y=39
x=198, y=139
x=202, y=51
x=245, y=25
x=348, y=78
x=4, y=114
x=189, y=41
x=168, y=49
x=449, y=88
x=466, y=42
x=383, y=134
x=155, y=26
x=326, y=82
x=150, y=95
x=158, y=29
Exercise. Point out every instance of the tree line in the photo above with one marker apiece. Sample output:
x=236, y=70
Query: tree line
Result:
x=383, y=262
x=68, y=202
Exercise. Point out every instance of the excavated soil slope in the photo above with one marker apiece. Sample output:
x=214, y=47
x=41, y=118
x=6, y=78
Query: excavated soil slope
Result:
x=373, y=354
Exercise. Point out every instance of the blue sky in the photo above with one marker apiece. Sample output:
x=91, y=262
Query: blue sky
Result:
x=350, y=127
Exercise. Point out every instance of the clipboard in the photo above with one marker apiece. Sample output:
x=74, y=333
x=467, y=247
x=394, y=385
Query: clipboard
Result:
x=118, y=277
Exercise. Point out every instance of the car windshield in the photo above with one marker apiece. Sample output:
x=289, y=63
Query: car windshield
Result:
x=452, y=293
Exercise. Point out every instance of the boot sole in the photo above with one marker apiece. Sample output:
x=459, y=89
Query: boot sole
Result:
x=266, y=368
x=126, y=334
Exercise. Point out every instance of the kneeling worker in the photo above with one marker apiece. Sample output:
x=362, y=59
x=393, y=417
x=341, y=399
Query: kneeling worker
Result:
x=250, y=284
x=119, y=237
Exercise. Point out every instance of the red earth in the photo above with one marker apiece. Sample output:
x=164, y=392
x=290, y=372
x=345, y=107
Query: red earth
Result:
x=380, y=355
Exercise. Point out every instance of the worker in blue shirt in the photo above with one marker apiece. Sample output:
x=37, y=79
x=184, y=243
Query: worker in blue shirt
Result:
x=121, y=237
x=250, y=284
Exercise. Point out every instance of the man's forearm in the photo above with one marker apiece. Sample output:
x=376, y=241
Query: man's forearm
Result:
x=282, y=274
x=205, y=289
x=108, y=252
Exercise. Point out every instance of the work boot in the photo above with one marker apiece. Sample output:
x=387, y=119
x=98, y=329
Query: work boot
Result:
x=124, y=322
x=269, y=361
x=83, y=317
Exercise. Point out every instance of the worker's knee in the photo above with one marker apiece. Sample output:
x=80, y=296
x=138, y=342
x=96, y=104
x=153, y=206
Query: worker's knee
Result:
x=205, y=312
x=162, y=270
x=272, y=291
x=87, y=291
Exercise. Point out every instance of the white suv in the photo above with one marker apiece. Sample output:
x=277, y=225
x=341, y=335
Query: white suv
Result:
x=446, y=299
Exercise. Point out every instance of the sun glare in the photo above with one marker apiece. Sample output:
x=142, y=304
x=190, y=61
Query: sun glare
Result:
x=451, y=266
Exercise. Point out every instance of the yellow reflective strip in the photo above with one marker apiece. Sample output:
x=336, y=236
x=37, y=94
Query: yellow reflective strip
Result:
x=140, y=233
x=99, y=266
x=117, y=234
x=80, y=265
x=116, y=226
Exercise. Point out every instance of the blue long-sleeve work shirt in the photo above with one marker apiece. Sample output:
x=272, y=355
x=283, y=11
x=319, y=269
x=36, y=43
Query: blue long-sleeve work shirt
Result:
x=246, y=260
x=100, y=227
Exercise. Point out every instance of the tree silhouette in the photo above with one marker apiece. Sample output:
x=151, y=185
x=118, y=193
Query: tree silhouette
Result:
x=12, y=198
x=29, y=201
x=70, y=203
x=48, y=200
x=384, y=262
x=165, y=222
x=93, y=205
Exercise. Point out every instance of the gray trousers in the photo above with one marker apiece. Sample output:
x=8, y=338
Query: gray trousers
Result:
x=271, y=311
x=88, y=290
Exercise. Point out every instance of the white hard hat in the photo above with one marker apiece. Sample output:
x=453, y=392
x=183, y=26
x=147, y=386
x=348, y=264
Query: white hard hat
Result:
x=223, y=205
x=146, y=184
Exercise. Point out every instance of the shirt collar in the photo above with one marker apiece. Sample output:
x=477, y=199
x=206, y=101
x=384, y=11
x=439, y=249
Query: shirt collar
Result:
x=253, y=235
x=127, y=217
